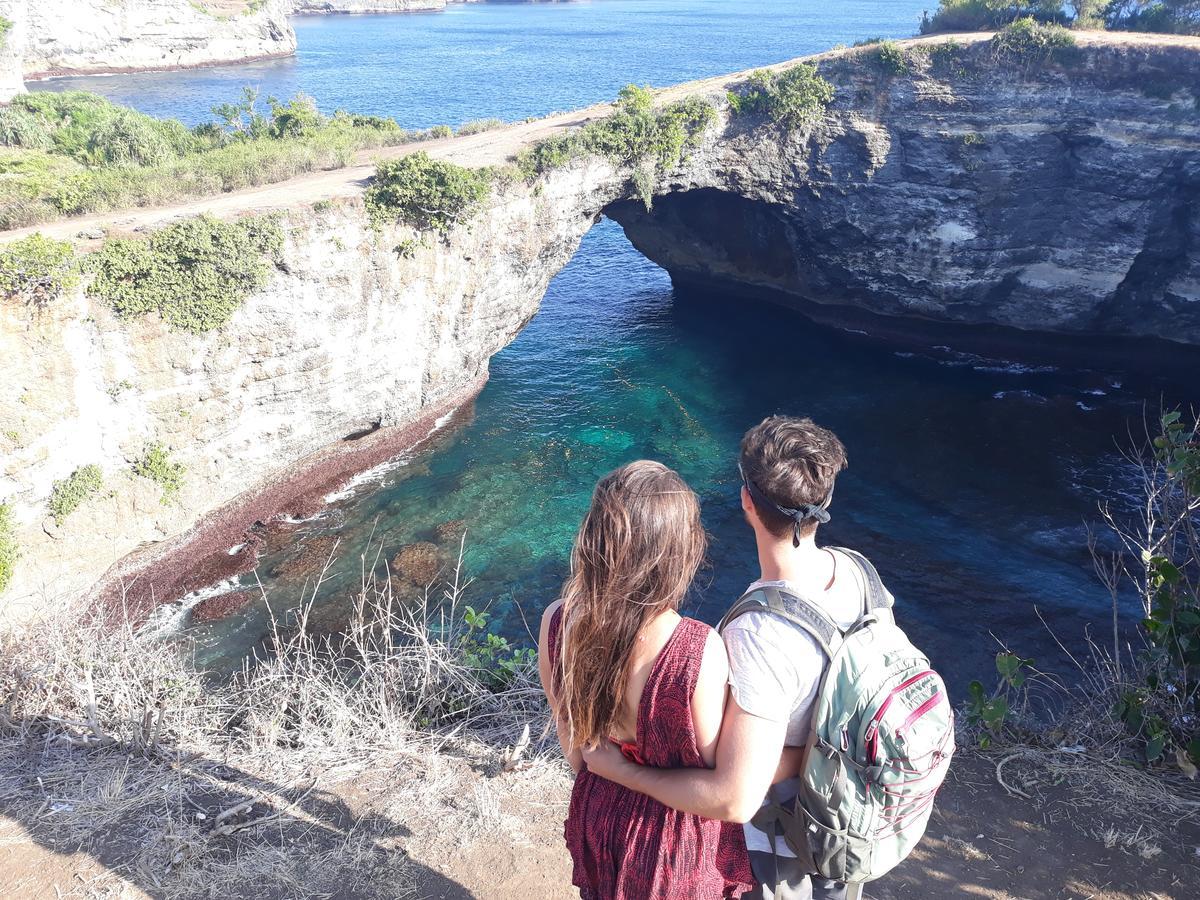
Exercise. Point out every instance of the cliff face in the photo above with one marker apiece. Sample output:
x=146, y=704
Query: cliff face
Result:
x=93, y=36
x=964, y=191
x=968, y=191
x=349, y=339
x=326, y=7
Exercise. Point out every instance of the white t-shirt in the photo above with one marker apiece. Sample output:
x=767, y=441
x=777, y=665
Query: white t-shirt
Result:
x=775, y=669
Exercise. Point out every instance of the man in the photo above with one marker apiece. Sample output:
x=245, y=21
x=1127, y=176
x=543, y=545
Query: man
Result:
x=788, y=468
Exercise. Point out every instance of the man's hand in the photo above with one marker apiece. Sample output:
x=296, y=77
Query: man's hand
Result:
x=608, y=761
x=747, y=758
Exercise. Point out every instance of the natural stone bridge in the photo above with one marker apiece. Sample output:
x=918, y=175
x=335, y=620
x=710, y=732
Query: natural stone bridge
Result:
x=1012, y=201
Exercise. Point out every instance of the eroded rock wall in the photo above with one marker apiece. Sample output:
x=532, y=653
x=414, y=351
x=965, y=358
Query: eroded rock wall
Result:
x=1045, y=198
x=328, y=7
x=966, y=191
x=94, y=36
x=350, y=337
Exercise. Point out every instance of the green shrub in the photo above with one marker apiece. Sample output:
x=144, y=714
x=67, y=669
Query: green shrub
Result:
x=37, y=269
x=475, y=126
x=1164, y=709
x=157, y=465
x=20, y=128
x=129, y=139
x=68, y=493
x=297, y=118
x=94, y=156
x=888, y=57
x=1169, y=16
x=987, y=15
x=195, y=273
x=1029, y=43
x=440, y=131
x=6, y=25
x=426, y=193
x=9, y=551
x=791, y=99
x=649, y=141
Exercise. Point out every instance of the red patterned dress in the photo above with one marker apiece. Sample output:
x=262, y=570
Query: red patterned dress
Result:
x=627, y=846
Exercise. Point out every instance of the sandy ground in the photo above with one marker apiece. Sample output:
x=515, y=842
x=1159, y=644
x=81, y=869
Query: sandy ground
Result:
x=980, y=843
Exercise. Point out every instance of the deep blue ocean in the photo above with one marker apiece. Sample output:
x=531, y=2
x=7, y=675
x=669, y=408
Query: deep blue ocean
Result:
x=971, y=482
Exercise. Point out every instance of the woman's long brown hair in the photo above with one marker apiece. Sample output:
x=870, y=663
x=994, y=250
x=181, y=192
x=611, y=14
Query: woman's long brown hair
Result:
x=635, y=556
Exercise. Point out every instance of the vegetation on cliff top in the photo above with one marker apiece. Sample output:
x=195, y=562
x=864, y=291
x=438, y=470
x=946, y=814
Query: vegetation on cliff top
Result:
x=74, y=152
x=37, y=270
x=8, y=546
x=428, y=194
x=68, y=493
x=651, y=141
x=1172, y=16
x=792, y=99
x=1028, y=42
x=194, y=273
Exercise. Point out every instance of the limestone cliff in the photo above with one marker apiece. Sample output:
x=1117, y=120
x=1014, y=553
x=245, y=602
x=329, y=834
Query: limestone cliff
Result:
x=961, y=191
x=349, y=345
x=966, y=190
x=327, y=7
x=93, y=36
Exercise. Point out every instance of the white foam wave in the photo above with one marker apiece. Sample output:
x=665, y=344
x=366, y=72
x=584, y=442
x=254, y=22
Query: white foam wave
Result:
x=376, y=473
x=169, y=618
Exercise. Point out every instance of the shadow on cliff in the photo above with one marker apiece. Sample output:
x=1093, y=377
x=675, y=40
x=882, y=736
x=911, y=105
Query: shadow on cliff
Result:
x=199, y=827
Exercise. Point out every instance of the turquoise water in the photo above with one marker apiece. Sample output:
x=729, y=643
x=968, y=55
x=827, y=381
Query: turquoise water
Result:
x=971, y=480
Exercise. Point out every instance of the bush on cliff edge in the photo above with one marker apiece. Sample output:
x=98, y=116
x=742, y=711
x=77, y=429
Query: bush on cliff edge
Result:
x=195, y=273
x=791, y=99
x=648, y=140
x=37, y=270
x=428, y=194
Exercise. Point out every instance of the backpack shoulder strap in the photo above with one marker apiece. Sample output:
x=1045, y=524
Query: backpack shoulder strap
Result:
x=796, y=609
x=877, y=597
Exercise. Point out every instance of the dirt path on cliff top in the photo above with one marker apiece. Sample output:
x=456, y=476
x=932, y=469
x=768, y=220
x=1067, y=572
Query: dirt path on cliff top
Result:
x=487, y=148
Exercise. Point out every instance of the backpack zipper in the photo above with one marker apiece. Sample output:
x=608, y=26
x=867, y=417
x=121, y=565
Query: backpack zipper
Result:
x=872, y=733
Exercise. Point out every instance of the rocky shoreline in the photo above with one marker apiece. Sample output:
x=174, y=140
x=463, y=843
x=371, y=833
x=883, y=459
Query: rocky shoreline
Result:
x=201, y=556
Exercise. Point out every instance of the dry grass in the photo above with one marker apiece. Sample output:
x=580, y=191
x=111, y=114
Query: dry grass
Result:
x=309, y=774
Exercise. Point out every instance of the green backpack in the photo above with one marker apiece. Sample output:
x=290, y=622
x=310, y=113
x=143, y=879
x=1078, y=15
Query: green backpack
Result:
x=880, y=745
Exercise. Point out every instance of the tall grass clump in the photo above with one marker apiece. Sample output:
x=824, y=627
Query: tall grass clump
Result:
x=428, y=194
x=194, y=274
x=478, y=126
x=9, y=549
x=232, y=785
x=651, y=141
x=791, y=99
x=37, y=270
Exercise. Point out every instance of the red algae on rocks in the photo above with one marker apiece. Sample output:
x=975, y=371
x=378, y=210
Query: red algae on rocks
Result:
x=201, y=556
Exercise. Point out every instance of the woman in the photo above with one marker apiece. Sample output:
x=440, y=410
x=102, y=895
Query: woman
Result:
x=619, y=663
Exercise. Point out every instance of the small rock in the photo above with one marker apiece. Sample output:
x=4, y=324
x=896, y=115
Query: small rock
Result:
x=451, y=531
x=91, y=234
x=213, y=609
x=314, y=553
x=419, y=563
